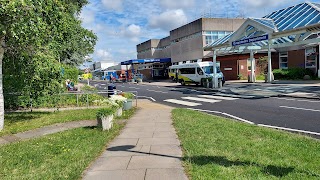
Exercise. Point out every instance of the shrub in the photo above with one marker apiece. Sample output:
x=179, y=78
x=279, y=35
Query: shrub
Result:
x=128, y=95
x=292, y=73
x=105, y=112
x=70, y=73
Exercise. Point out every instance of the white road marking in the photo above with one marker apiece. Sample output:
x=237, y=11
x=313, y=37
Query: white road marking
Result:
x=288, y=107
x=152, y=99
x=157, y=91
x=186, y=103
x=102, y=84
x=218, y=97
x=226, y=114
x=235, y=96
x=287, y=99
x=309, y=101
x=133, y=88
x=262, y=125
x=289, y=129
x=301, y=100
x=201, y=99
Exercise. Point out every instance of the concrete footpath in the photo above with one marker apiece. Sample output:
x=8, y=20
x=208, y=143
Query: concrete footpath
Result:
x=51, y=129
x=147, y=148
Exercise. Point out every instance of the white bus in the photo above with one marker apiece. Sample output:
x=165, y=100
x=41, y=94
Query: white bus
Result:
x=194, y=73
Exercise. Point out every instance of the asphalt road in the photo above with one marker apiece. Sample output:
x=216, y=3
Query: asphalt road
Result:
x=297, y=114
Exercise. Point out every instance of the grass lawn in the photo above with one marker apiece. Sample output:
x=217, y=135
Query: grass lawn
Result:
x=220, y=148
x=24, y=121
x=63, y=155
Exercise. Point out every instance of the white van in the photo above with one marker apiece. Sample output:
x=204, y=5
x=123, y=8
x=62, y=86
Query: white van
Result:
x=194, y=73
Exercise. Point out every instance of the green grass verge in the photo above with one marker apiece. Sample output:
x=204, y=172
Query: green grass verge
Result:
x=24, y=121
x=220, y=148
x=63, y=155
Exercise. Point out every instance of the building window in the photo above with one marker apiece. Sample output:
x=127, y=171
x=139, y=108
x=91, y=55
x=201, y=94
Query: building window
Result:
x=311, y=57
x=283, y=60
x=212, y=36
x=184, y=62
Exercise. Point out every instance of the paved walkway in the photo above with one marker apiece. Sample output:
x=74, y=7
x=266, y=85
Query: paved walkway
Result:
x=147, y=148
x=45, y=131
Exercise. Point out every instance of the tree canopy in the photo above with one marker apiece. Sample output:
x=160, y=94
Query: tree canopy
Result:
x=39, y=36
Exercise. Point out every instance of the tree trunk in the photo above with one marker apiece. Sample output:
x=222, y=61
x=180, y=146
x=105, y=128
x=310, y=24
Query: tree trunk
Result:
x=2, y=45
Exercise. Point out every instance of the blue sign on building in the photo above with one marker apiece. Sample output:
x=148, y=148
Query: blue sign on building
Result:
x=250, y=40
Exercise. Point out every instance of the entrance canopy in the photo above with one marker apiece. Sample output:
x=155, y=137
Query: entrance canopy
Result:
x=142, y=61
x=294, y=26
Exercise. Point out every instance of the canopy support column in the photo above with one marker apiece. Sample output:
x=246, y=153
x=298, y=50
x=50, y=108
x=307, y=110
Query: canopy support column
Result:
x=270, y=76
x=252, y=73
x=319, y=62
x=215, y=76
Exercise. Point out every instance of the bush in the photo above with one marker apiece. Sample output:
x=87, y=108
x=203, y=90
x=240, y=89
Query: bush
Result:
x=292, y=73
x=128, y=95
x=71, y=73
x=105, y=112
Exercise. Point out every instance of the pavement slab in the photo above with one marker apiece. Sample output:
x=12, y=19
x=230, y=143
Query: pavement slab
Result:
x=116, y=175
x=147, y=148
x=167, y=174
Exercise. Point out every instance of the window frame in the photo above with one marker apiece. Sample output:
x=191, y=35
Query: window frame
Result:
x=283, y=54
x=307, y=55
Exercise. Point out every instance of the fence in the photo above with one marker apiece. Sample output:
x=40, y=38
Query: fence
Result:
x=71, y=100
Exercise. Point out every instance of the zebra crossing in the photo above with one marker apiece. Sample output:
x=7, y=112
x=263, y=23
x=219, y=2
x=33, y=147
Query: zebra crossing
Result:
x=197, y=101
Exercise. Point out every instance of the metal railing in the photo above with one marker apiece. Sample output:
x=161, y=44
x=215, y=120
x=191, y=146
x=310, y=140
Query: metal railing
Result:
x=71, y=99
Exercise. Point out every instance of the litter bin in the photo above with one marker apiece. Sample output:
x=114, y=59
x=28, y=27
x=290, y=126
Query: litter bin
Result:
x=111, y=88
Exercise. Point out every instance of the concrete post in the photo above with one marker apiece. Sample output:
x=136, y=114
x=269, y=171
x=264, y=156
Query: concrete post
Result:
x=215, y=76
x=252, y=76
x=270, y=76
x=319, y=62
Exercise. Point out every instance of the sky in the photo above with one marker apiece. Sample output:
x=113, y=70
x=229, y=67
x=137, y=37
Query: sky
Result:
x=122, y=24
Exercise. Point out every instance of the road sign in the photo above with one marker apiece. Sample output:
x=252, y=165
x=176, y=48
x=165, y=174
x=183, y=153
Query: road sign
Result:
x=250, y=40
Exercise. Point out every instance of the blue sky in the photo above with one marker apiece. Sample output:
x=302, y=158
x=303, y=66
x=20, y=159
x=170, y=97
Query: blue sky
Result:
x=122, y=24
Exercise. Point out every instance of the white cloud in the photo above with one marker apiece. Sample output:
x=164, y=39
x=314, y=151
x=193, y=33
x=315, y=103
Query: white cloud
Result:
x=174, y=4
x=113, y=4
x=131, y=32
x=168, y=20
x=102, y=54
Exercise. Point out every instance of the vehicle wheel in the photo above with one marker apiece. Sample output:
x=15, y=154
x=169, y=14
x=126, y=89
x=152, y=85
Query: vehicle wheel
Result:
x=182, y=82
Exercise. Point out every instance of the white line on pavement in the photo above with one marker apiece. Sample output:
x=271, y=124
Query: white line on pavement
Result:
x=133, y=88
x=226, y=114
x=301, y=100
x=102, y=84
x=218, y=97
x=289, y=129
x=287, y=99
x=152, y=99
x=186, y=103
x=157, y=91
x=262, y=125
x=235, y=96
x=288, y=107
x=201, y=99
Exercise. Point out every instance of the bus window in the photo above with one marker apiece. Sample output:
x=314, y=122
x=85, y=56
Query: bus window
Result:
x=188, y=70
x=209, y=69
x=199, y=71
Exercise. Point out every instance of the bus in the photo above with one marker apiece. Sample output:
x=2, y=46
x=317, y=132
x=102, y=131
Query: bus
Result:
x=194, y=73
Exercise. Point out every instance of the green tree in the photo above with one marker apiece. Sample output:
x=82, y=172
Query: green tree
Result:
x=35, y=36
